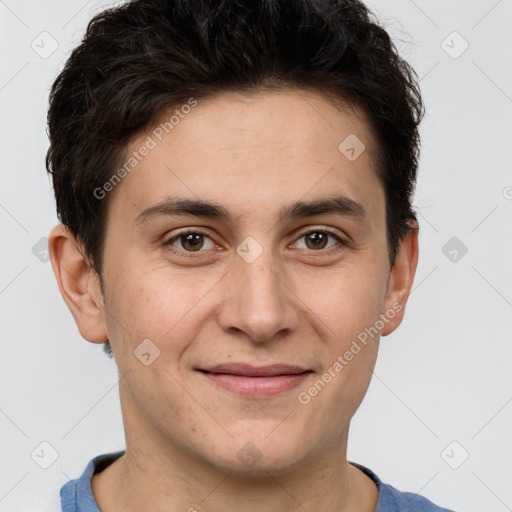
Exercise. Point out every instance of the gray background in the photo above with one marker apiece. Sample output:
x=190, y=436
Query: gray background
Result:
x=442, y=387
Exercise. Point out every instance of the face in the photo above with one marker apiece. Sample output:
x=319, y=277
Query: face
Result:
x=261, y=312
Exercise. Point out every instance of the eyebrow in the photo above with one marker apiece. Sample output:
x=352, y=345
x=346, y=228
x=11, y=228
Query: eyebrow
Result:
x=174, y=206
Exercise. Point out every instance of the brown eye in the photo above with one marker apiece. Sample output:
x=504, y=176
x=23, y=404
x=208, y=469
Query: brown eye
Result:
x=318, y=240
x=191, y=241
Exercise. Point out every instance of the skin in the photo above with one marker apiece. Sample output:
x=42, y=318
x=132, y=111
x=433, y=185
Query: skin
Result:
x=296, y=304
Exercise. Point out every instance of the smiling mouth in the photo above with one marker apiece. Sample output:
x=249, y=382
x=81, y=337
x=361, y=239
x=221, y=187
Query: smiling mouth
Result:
x=254, y=381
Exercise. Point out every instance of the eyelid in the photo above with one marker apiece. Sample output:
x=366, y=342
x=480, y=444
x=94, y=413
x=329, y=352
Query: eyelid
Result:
x=196, y=231
x=313, y=229
x=310, y=229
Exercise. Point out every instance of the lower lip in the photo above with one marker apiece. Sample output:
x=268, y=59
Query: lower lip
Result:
x=257, y=386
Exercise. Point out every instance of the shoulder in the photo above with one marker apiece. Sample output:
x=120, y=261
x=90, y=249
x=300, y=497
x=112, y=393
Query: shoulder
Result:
x=393, y=500
x=76, y=495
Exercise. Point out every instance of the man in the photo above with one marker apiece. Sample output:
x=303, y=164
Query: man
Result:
x=234, y=182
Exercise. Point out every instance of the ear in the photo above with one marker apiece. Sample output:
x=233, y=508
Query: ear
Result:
x=78, y=283
x=401, y=279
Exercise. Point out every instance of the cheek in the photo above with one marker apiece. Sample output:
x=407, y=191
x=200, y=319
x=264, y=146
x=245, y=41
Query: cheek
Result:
x=350, y=309
x=154, y=304
x=347, y=300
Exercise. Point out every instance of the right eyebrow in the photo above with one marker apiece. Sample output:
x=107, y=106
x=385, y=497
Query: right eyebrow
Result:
x=182, y=206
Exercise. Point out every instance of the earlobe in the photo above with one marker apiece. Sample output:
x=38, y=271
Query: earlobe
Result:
x=78, y=283
x=401, y=280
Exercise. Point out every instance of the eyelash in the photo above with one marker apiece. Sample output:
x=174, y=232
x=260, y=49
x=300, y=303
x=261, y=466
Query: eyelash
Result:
x=190, y=254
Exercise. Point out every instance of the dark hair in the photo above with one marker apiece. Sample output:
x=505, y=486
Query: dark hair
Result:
x=137, y=61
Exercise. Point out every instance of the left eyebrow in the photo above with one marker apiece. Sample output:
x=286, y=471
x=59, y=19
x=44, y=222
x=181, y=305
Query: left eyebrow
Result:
x=338, y=205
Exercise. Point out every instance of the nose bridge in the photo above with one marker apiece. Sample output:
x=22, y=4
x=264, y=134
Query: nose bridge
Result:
x=259, y=303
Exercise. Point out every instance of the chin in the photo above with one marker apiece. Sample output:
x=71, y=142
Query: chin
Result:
x=257, y=456
x=262, y=468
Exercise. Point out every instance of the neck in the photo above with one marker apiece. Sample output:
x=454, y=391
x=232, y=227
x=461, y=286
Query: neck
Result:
x=172, y=478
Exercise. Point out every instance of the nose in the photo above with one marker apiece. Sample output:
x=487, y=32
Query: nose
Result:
x=258, y=301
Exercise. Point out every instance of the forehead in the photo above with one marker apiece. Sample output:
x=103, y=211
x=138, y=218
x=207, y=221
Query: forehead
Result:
x=254, y=153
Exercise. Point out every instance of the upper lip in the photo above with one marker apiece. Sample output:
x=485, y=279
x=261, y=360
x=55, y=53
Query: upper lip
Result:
x=255, y=371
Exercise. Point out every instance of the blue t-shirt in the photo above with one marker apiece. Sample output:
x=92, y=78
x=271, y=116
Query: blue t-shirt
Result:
x=76, y=495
